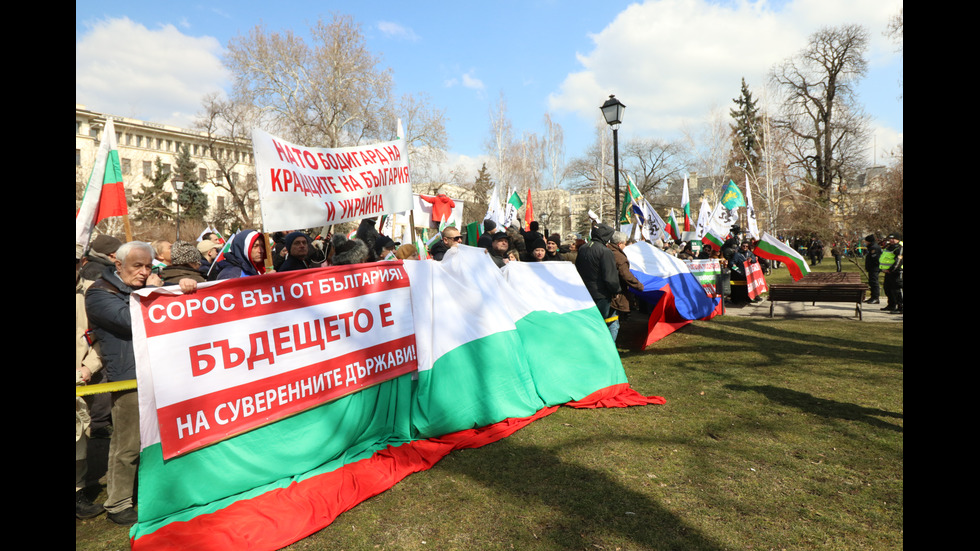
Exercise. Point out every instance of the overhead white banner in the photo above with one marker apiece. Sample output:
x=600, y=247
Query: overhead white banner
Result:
x=304, y=187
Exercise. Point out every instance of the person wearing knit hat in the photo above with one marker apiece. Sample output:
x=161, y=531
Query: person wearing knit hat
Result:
x=348, y=251
x=537, y=249
x=486, y=238
x=185, y=263
x=384, y=247
x=553, y=245
x=101, y=253
x=499, y=245
x=297, y=247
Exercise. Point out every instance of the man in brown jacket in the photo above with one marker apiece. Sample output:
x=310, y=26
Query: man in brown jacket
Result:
x=620, y=302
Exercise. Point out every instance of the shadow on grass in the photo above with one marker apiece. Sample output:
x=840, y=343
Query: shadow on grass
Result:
x=591, y=508
x=823, y=407
x=775, y=342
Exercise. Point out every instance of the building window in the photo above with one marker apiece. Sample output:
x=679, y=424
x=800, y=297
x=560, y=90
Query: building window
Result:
x=234, y=178
x=148, y=170
x=202, y=175
x=126, y=166
x=139, y=141
x=78, y=157
x=221, y=203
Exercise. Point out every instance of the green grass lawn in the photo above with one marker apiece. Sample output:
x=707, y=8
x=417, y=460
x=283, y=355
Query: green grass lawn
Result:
x=776, y=434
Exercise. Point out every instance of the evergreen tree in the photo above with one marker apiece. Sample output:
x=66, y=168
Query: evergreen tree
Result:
x=746, y=153
x=153, y=202
x=482, y=187
x=193, y=202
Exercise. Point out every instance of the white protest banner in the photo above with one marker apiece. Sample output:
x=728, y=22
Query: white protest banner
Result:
x=303, y=187
x=707, y=272
x=246, y=352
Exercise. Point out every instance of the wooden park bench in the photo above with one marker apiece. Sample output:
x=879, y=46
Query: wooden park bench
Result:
x=823, y=287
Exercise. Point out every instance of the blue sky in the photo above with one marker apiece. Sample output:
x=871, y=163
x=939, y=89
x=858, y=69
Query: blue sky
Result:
x=674, y=63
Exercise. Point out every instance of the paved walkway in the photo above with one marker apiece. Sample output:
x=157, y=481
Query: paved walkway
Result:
x=809, y=310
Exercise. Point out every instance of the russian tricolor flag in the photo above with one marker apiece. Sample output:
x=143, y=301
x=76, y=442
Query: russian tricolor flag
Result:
x=670, y=288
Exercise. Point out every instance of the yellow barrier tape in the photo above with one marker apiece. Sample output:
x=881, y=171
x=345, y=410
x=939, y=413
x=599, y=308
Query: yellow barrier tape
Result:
x=612, y=319
x=85, y=390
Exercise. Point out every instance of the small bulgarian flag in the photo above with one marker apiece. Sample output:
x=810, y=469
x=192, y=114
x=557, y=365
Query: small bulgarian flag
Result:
x=714, y=233
x=774, y=249
x=712, y=237
x=672, y=226
x=686, y=207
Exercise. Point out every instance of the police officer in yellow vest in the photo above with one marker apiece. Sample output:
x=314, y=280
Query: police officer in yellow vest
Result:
x=891, y=263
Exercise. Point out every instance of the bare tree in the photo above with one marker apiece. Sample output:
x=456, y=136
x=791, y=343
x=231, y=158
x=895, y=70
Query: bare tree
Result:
x=896, y=31
x=653, y=163
x=500, y=144
x=530, y=161
x=820, y=106
x=553, y=147
x=707, y=147
x=425, y=137
x=591, y=173
x=879, y=207
x=227, y=125
x=330, y=93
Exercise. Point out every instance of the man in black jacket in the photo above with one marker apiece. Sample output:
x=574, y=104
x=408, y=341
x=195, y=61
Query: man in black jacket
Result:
x=597, y=267
x=871, y=266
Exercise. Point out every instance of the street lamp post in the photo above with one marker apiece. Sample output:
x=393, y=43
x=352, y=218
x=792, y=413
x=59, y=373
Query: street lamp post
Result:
x=612, y=111
x=544, y=216
x=178, y=185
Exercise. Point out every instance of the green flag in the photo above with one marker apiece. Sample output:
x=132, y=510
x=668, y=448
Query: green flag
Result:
x=632, y=194
x=472, y=233
x=515, y=200
x=732, y=197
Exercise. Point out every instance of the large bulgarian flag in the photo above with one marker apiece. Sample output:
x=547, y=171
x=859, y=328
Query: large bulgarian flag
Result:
x=774, y=249
x=483, y=372
x=105, y=195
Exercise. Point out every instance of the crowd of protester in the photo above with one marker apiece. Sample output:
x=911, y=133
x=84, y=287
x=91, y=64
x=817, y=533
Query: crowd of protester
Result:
x=110, y=271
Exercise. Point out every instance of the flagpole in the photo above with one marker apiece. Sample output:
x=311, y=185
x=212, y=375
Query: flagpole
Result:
x=128, y=228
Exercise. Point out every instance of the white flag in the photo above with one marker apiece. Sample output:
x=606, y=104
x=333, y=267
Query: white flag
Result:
x=704, y=218
x=750, y=212
x=493, y=210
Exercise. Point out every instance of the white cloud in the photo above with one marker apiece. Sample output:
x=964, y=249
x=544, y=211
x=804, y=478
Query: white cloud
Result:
x=671, y=61
x=472, y=82
x=395, y=30
x=161, y=75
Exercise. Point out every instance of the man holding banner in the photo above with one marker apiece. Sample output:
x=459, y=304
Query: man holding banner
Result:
x=107, y=306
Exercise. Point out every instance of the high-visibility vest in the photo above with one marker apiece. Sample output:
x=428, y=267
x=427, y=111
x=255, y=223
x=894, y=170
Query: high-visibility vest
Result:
x=887, y=259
